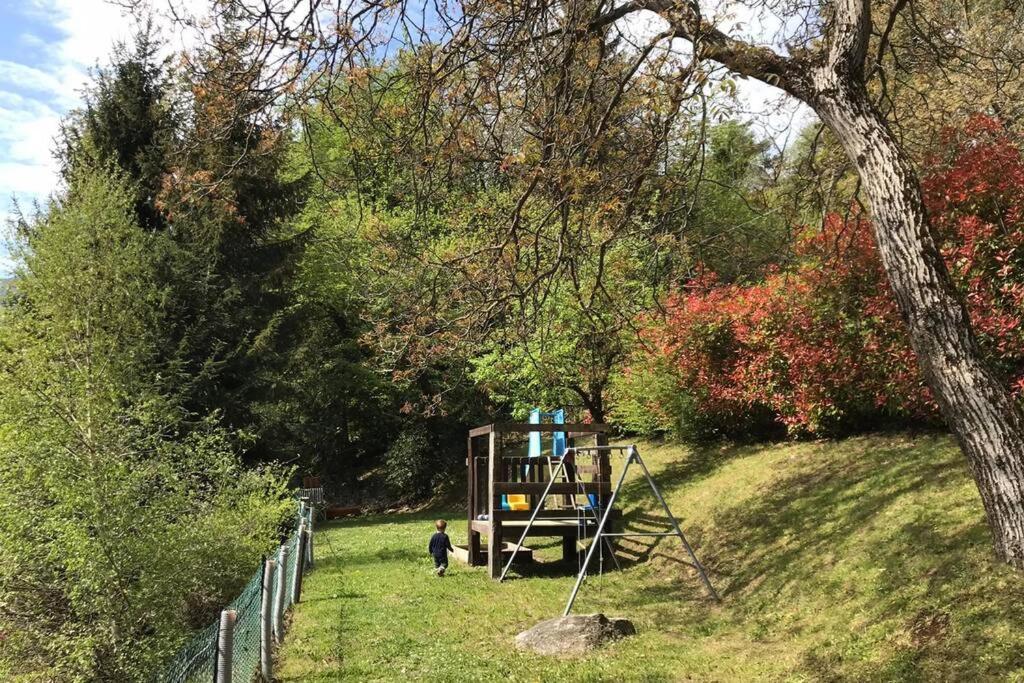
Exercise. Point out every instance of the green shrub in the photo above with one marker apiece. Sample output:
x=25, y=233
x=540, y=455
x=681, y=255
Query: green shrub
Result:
x=410, y=464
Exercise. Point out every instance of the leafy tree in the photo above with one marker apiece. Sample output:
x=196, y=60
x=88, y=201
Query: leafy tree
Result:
x=382, y=393
x=830, y=61
x=110, y=490
x=565, y=350
x=733, y=227
x=817, y=347
x=329, y=401
x=226, y=268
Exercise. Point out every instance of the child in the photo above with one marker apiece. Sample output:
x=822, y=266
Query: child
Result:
x=439, y=547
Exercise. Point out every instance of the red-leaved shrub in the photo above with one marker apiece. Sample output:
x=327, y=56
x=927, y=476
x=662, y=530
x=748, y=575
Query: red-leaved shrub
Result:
x=820, y=348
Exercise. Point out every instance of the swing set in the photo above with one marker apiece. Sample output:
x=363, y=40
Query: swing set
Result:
x=565, y=493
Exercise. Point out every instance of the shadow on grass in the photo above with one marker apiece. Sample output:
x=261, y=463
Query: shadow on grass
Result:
x=699, y=463
x=796, y=523
x=865, y=559
x=373, y=557
x=813, y=509
x=552, y=569
x=333, y=598
x=886, y=535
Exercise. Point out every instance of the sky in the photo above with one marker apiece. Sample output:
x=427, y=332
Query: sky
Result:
x=47, y=48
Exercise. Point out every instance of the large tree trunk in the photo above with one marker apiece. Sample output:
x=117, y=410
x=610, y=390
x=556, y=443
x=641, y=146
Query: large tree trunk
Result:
x=975, y=403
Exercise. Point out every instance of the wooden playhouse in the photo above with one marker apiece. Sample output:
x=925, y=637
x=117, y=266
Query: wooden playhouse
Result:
x=505, y=486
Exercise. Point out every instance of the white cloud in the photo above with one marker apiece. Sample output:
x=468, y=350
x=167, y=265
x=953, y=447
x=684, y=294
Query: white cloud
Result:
x=32, y=40
x=27, y=129
x=90, y=27
x=25, y=77
x=34, y=96
x=27, y=181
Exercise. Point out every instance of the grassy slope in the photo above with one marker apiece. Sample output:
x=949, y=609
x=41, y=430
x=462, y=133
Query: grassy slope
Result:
x=863, y=559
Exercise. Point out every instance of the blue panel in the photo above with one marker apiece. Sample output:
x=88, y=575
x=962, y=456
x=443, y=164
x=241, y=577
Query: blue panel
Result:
x=535, y=446
x=558, y=438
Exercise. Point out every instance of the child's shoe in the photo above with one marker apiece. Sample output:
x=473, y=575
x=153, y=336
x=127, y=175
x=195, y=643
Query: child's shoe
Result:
x=440, y=570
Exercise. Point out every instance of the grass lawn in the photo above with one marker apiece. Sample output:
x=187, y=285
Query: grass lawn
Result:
x=865, y=559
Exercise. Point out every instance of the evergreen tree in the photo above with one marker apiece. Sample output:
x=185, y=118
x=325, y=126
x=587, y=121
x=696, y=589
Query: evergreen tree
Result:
x=127, y=122
x=228, y=203
x=106, y=494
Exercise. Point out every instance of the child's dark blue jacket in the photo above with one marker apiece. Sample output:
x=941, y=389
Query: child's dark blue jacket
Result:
x=439, y=546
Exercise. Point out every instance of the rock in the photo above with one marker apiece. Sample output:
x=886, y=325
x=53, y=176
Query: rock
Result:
x=573, y=635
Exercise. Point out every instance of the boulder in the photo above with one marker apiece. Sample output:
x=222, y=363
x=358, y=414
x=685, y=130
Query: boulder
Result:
x=575, y=634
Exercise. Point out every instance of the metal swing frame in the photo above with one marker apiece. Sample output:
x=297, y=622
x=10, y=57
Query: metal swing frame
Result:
x=555, y=472
x=600, y=535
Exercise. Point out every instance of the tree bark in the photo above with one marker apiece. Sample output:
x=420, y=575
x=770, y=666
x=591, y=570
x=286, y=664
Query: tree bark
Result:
x=978, y=408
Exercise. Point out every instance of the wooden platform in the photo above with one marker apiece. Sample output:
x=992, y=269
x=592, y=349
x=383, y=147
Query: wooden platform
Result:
x=543, y=527
x=525, y=555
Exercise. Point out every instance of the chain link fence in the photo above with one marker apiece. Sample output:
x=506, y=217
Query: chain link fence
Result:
x=255, y=623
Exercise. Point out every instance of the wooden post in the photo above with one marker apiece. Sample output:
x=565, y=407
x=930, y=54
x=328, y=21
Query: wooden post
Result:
x=282, y=586
x=570, y=553
x=569, y=472
x=472, y=537
x=300, y=554
x=603, y=467
x=266, y=605
x=494, y=539
x=225, y=643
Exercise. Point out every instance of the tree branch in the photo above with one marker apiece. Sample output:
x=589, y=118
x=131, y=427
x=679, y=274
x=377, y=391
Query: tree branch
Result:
x=709, y=42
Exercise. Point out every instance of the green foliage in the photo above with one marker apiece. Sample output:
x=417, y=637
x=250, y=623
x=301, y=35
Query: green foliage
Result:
x=816, y=179
x=568, y=346
x=328, y=402
x=228, y=201
x=125, y=521
x=409, y=464
x=382, y=362
x=562, y=355
x=649, y=400
x=732, y=225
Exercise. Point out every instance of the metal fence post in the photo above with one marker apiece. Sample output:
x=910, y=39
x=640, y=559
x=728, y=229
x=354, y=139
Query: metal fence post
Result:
x=309, y=547
x=225, y=643
x=300, y=556
x=279, y=593
x=266, y=604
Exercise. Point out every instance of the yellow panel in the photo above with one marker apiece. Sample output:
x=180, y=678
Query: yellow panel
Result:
x=517, y=502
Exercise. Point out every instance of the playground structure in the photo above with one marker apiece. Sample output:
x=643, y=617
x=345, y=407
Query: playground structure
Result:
x=566, y=494
x=507, y=489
